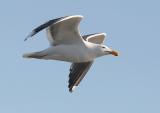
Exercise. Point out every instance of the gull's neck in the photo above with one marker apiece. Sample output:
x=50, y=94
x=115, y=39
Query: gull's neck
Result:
x=93, y=49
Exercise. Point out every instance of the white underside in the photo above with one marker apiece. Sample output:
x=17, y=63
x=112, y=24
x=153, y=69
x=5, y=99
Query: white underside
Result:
x=68, y=53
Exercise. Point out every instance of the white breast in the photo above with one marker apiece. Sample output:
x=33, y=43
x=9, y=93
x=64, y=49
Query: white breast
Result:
x=69, y=53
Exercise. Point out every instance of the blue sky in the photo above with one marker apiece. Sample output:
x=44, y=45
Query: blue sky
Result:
x=125, y=84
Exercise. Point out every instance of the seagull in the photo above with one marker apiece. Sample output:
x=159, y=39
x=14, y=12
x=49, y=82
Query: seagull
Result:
x=66, y=44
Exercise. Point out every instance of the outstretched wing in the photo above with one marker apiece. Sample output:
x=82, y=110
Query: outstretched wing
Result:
x=77, y=73
x=63, y=30
x=97, y=38
x=43, y=26
x=79, y=70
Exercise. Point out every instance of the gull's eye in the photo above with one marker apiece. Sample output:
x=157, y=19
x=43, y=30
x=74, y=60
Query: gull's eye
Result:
x=103, y=47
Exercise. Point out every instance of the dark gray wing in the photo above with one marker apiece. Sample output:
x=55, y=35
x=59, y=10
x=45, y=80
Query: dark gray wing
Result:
x=77, y=73
x=43, y=26
x=79, y=70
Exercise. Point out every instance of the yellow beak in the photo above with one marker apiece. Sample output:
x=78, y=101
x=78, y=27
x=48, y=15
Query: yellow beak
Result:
x=114, y=53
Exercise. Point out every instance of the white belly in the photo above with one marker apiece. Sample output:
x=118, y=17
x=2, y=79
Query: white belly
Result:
x=69, y=53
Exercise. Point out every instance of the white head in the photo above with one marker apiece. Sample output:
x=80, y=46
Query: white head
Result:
x=104, y=50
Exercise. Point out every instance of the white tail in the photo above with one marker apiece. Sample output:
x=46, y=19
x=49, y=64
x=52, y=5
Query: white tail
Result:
x=37, y=55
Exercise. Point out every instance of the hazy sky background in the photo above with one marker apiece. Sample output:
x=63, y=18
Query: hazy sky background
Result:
x=129, y=83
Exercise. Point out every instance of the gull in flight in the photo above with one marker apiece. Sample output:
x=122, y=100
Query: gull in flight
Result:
x=66, y=44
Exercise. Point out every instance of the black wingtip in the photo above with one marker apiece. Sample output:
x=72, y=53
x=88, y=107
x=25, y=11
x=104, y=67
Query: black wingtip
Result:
x=25, y=38
x=72, y=88
x=30, y=35
x=43, y=26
